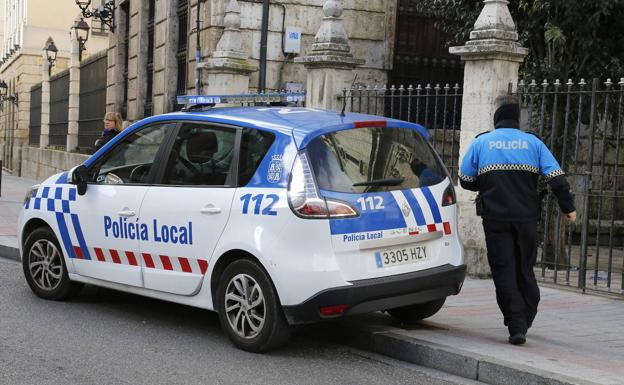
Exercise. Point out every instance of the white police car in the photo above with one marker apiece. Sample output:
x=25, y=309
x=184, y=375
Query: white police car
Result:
x=270, y=216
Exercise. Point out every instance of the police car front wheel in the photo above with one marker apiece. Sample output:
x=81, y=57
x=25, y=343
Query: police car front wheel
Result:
x=249, y=309
x=413, y=313
x=44, y=266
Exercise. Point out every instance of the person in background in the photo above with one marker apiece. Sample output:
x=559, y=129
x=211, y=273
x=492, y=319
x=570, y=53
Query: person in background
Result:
x=503, y=166
x=112, y=126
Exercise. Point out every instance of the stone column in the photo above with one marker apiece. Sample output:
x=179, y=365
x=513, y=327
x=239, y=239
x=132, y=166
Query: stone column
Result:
x=44, y=138
x=492, y=57
x=74, y=93
x=330, y=63
x=227, y=70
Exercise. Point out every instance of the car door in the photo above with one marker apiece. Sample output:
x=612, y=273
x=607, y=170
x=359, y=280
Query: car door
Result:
x=105, y=218
x=189, y=208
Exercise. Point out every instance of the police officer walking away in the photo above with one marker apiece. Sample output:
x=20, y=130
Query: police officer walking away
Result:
x=503, y=166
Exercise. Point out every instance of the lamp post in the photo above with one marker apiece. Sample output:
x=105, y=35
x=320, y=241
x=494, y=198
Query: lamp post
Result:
x=104, y=12
x=3, y=89
x=81, y=30
x=3, y=93
x=51, y=52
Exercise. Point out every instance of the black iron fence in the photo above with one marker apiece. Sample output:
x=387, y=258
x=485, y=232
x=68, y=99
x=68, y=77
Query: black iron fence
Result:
x=59, y=103
x=92, y=100
x=34, y=127
x=582, y=125
x=437, y=108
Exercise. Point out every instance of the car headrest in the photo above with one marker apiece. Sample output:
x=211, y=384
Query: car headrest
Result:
x=200, y=147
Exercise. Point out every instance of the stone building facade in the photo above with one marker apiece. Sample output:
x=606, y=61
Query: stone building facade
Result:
x=27, y=25
x=145, y=80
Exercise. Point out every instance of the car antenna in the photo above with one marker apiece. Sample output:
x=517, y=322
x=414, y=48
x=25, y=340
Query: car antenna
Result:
x=344, y=98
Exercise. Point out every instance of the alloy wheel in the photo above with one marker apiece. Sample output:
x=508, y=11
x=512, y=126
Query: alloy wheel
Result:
x=245, y=306
x=44, y=265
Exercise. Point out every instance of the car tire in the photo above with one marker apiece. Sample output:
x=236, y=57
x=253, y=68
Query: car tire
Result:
x=411, y=314
x=249, y=308
x=44, y=266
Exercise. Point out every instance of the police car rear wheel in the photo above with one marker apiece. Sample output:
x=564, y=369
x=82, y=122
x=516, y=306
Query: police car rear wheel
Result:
x=44, y=266
x=418, y=312
x=249, y=309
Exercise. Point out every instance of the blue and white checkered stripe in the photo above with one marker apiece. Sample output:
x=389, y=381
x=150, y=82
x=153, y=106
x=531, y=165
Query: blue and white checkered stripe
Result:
x=52, y=198
x=57, y=199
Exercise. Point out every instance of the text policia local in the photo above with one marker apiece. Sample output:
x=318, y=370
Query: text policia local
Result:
x=123, y=229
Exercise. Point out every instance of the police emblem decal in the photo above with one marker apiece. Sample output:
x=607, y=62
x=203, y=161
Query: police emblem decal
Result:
x=274, y=175
x=406, y=209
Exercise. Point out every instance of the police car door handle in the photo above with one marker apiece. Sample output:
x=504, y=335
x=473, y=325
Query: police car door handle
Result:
x=210, y=210
x=126, y=213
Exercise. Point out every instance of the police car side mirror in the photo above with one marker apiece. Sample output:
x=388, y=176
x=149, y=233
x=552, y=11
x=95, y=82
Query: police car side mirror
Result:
x=79, y=178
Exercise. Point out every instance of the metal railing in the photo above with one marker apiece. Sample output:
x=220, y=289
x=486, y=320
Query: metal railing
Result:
x=582, y=125
x=437, y=108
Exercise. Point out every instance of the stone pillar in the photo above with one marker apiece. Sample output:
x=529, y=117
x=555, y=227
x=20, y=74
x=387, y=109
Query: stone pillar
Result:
x=227, y=70
x=44, y=138
x=74, y=93
x=492, y=57
x=330, y=64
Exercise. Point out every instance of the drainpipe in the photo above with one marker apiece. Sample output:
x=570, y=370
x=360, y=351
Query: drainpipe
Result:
x=263, y=47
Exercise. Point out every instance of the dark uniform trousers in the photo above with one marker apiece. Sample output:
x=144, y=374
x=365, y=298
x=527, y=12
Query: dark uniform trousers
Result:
x=512, y=249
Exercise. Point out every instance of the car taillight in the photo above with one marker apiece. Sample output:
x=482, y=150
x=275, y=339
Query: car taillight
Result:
x=448, y=198
x=304, y=199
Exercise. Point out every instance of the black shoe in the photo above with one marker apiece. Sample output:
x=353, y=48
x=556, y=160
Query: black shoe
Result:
x=517, y=339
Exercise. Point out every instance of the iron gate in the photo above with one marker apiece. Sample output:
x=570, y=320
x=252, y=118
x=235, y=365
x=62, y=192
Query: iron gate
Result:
x=34, y=128
x=582, y=125
x=92, y=100
x=436, y=108
x=59, y=97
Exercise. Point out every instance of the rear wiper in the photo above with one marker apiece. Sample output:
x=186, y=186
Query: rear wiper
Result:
x=381, y=182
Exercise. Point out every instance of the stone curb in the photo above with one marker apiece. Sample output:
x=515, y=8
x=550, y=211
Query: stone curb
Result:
x=10, y=252
x=445, y=358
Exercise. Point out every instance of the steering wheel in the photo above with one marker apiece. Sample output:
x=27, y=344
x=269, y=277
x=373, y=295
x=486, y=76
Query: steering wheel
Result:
x=139, y=173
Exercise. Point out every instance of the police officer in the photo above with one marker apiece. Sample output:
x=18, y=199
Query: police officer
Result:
x=503, y=166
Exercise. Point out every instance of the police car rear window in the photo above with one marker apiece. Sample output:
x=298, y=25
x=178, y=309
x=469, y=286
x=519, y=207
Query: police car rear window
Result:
x=374, y=159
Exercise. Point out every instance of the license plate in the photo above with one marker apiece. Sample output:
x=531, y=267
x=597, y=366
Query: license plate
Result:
x=400, y=256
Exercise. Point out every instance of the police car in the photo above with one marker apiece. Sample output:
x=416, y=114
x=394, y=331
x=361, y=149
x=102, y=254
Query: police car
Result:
x=271, y=216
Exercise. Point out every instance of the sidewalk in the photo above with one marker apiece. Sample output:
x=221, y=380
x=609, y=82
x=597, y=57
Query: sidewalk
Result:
x=12, y=195
x=576, y=339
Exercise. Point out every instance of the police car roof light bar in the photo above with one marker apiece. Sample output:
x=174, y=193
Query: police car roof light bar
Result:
x=191, y=101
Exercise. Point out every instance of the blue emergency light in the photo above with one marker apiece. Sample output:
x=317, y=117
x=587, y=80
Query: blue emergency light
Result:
x=211, y=100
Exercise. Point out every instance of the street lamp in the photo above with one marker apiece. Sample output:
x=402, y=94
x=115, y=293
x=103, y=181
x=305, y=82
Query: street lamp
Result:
x=105, y=12
x=3, y=93
x=51, y=52
x=3, y=89
x=81, y=29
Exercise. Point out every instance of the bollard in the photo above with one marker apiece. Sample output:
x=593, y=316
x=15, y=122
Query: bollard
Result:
x=0, y=177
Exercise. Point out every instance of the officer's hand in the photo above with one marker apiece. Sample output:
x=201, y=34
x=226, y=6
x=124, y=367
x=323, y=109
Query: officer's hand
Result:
x=571, y=216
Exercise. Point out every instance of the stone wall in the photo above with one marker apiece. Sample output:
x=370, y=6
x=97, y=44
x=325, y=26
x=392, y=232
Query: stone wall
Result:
x=20, y=74
x=39, y=164
x=370, y=25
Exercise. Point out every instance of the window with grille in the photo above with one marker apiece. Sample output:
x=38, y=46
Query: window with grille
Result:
x=150, y=59
x=182, y=50
x=125, y=9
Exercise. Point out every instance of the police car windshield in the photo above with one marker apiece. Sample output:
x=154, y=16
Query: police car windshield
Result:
x=353, y=161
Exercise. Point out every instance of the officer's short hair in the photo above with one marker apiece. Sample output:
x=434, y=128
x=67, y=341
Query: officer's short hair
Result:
x=505, y=99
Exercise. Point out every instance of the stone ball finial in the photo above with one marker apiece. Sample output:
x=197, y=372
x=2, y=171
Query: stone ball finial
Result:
x=333, y=8
x=232, y=18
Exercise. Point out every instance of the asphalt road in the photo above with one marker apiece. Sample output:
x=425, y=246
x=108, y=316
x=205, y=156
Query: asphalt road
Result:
x=104, y=336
